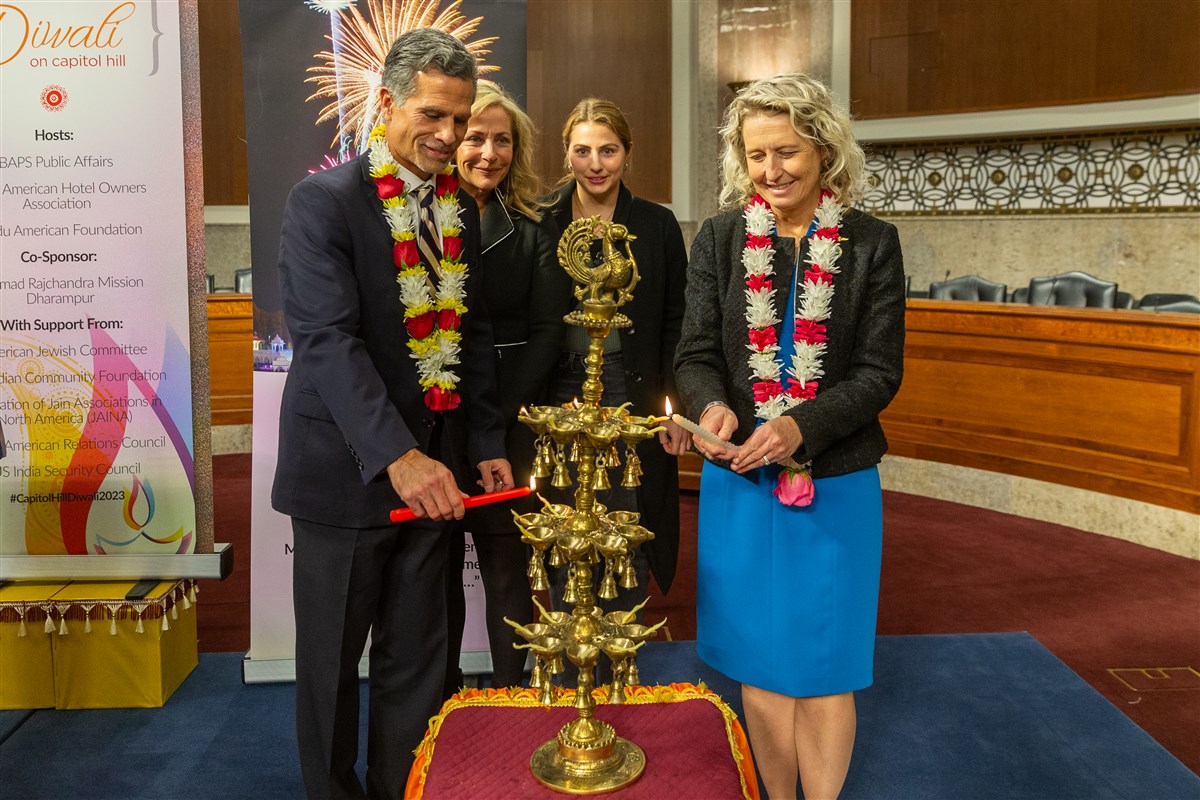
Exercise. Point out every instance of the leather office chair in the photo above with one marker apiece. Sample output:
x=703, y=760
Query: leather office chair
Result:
x=968, y=287
x=1187, y=306
x=1156, y=300
x=1075, y=289
x=1019, y=295
x=1124, y=300
x=241, y=280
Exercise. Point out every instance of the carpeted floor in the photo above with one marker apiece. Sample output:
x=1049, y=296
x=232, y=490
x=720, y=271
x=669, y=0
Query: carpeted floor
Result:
x=965, y=716
x=1116, y=613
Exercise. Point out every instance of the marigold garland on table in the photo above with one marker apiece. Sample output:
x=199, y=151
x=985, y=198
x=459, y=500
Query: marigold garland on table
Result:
x=771, y=396
x=432, y=316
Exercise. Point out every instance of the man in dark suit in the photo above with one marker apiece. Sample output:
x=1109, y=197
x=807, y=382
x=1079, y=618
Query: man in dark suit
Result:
x=359, y=431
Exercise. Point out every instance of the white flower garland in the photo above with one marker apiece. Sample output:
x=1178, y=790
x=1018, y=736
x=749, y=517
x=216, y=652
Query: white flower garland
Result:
x=432, y=318
x=772, y=397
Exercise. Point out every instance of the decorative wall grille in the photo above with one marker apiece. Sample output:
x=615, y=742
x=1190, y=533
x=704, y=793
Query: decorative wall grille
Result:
x=1127, y=171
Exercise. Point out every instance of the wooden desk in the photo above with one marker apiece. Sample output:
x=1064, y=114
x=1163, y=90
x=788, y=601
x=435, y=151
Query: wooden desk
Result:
x=230, y=358
x=1103, y=400
x=1099, y=399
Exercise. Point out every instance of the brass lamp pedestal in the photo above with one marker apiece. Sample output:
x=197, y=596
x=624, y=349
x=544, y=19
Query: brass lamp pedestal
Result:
x=587, y=756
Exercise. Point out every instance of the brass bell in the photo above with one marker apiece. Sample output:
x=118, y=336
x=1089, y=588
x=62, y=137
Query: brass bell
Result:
x=535, y=674
x=543, y=463
x=632, y=678
x=556, y=559
x=538, y=581
x=601, y=482
x=562, y=477
x=546, y=694
x=629, y=578
x=616, y=693
x=632, y=477
x=608, y=586
x=570, y=592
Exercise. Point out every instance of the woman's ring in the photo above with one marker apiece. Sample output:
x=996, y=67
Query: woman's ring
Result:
x=766, y=461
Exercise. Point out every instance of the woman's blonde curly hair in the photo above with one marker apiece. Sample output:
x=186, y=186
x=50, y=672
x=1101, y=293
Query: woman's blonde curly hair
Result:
x=521, y=187
x=814, y=114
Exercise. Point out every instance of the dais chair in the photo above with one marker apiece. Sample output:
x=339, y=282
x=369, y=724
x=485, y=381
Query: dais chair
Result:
x=1159, y=300
x=968, y=287
x=242, y=280
x=1075, y=289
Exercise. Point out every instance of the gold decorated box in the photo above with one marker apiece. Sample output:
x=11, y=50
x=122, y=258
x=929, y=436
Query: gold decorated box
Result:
x=26, y=648
x=110, y=652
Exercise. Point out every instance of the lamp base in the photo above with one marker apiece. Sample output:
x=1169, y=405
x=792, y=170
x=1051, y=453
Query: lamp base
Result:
x=621, y=766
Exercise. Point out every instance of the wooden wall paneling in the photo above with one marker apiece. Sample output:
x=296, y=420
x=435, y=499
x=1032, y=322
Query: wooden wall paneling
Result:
x=913, y=57
x=230, y=358
x=221, y=104
x=761, y=38
x=1102, y=400
x=619, y=50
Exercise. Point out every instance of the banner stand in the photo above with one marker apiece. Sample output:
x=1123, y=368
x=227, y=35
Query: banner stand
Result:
x=283, y=670
x=215, y=565
x=210, y=560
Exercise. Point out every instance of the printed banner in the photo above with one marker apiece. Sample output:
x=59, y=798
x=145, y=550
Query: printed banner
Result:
x=95, y=370
x=310, y=78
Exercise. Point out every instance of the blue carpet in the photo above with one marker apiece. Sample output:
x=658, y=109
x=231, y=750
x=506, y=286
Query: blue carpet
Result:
x=965, y=716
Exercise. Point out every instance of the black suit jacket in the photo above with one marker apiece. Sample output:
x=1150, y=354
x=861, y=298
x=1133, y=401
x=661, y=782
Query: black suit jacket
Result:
x=528, y=294
x=648, y=350
x=352, y=403
x=865, y=357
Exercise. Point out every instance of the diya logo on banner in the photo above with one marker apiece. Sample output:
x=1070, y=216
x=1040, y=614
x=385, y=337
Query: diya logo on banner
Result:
x=95, y=372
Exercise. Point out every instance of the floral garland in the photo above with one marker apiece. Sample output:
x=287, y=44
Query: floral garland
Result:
x=431, y=317
x=771, y=396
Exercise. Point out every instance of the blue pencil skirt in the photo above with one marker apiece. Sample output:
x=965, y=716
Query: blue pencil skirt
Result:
x=786, y=597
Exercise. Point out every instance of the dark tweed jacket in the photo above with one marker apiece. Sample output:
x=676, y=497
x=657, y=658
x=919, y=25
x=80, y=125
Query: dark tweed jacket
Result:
x=865, y=357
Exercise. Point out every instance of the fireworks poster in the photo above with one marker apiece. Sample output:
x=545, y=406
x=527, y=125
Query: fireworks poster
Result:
x=95, y=371
x=311, y=74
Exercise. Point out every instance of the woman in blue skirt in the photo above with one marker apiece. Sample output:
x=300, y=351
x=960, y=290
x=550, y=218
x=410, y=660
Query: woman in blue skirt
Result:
x=792, y=344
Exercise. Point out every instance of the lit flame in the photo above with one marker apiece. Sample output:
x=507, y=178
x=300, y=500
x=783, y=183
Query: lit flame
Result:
x=532, y=483
x=524, y=412
x=668, y=402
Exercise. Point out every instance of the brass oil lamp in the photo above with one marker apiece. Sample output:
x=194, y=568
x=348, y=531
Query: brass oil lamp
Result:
x=587, y=756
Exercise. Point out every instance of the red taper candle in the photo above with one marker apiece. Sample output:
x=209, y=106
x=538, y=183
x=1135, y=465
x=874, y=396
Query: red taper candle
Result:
x=407, y=515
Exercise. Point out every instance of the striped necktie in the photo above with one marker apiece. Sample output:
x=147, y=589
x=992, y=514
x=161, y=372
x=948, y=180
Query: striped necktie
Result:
x=427, y=236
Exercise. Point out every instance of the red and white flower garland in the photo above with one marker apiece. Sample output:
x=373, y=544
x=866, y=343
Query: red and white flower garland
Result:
x=431, y=317
x=772, y=397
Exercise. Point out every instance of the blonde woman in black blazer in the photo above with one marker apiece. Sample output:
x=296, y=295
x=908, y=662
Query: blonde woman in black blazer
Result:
x=792, y=345
x=528, y=295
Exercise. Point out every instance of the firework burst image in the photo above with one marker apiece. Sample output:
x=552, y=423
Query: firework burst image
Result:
x=348, y=76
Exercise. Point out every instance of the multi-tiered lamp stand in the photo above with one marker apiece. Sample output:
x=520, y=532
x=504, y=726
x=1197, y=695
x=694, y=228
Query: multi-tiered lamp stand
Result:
x=587, y=756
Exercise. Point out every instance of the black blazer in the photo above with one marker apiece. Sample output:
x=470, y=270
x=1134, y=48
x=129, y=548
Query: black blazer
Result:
x=528, y=294
x=648, y=350
x=865, y=357
x=352, y=403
